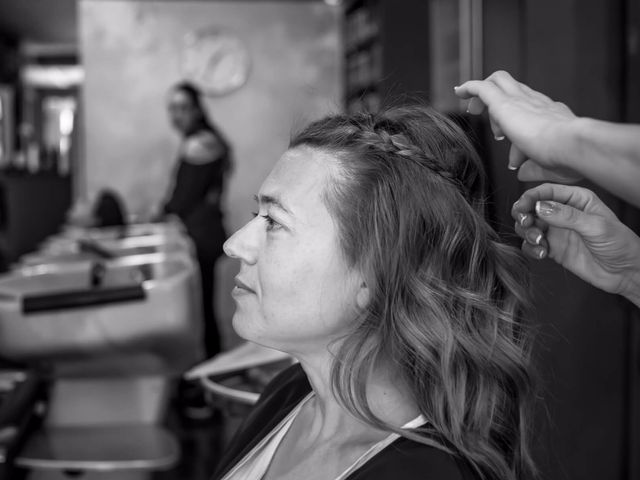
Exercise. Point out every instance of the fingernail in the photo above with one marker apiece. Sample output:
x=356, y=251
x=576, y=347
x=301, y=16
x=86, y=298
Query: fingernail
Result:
x=511, y=167
x=542, y=253
x=499, y=138
x=522, y=217
x=515, y=204
x=545, y=208
x=534, y=237
x=456, y=87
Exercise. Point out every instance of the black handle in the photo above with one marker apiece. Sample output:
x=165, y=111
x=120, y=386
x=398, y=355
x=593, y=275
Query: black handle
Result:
x=19, y=416
x=81, y=298
x=19, y=401
x=89, y=246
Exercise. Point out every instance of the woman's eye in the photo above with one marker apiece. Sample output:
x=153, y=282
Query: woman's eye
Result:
x=271, y=223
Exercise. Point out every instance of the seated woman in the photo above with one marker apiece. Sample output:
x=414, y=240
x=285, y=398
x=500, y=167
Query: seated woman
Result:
x=369, y=260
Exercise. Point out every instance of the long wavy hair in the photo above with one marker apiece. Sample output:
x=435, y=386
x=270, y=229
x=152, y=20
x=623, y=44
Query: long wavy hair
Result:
x=203, y=122
x=448, y=298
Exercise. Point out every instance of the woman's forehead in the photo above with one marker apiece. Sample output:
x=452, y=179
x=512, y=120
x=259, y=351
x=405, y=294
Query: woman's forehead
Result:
x=299, y=177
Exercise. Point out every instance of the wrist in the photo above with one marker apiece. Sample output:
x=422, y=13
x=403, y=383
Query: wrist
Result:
x=576, y=135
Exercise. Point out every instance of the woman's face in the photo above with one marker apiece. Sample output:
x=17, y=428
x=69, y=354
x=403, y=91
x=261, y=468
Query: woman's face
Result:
x=295, y=291
x=182, y=112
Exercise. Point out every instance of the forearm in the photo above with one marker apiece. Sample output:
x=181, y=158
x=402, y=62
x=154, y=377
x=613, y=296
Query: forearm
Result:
x=608, y=154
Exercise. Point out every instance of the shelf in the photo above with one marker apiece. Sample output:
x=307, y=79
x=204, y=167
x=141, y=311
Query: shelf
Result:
x=361, y=25
x=370, y=103
x=354, y=5
x=360, y=92
x=363, y=55
x=387, y=50
x=363, y=45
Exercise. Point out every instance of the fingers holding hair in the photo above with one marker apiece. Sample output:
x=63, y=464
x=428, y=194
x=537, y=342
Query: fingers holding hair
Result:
x=516, y=158
x=491, y=91
x=571, y=196
x=531, y=171
x=506, y=82
x=537, y=252
x=534, y=235
x=487, y=92
x=475, y=106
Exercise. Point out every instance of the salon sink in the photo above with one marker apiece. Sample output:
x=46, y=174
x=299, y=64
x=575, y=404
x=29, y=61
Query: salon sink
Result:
x=110, y=320
x=65, y=245
x=60, y=312
x=91, y=250
x=165, y=229
x=61, y=244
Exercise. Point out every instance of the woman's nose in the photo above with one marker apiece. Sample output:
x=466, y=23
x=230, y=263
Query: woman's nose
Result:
x=242, y=245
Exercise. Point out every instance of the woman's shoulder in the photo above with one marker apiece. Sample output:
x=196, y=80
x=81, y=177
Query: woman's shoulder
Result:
x=410, y=460
x=202, y=147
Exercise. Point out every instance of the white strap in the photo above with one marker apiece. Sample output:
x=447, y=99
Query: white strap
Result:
x=378, y=447
x=255, y=463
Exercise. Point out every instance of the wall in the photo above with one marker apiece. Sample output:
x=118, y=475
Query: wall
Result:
x=584, y=348
x=131, y=54
x=631, y=217
x=572, y=51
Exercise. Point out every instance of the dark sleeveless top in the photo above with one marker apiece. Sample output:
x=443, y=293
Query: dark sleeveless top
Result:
x=195, y=198
x=403, y=459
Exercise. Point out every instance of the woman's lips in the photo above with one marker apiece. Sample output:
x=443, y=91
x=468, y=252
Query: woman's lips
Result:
x=242, y=287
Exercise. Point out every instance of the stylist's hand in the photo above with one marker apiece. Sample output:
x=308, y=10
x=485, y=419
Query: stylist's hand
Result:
x=572, y=226
x=540, y=130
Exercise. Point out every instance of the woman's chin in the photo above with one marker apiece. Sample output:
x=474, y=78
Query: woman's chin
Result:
x=244, y=326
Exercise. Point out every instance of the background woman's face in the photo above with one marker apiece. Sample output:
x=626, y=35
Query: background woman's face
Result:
x=295, y=291
x=182, y=112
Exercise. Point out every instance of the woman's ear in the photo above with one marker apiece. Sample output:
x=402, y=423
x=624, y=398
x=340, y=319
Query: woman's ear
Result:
x=363, y=296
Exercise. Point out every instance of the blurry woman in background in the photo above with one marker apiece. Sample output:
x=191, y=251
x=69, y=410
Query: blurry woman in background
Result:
x=204, y=158
x=370, y=261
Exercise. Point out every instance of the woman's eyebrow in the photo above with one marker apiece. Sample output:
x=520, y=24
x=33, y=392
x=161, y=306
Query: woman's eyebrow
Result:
x=272, y=201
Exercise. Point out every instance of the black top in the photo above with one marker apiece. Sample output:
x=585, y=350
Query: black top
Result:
x=193, y=182
x=199, y=175
x=197, y=188
x=403, y=459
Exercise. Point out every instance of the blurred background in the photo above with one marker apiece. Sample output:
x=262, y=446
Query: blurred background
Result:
x=83, y=96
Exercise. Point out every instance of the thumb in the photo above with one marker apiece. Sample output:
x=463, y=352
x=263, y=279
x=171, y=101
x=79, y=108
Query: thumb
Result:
x=564, y=216
x=531, y=171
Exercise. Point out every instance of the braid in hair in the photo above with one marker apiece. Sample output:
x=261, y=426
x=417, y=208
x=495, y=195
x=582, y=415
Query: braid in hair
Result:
x=383, y=135
x=398, y=144
x=448, y=299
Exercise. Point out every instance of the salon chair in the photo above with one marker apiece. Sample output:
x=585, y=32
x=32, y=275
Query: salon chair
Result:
x=109, y=332
x=165, y=229
x=233, y=380
x=22, y=396
x=240, y=374
x=70, y=240
x=88, y=250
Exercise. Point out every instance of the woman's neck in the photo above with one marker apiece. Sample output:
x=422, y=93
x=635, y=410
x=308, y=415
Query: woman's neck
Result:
x=388, y=399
